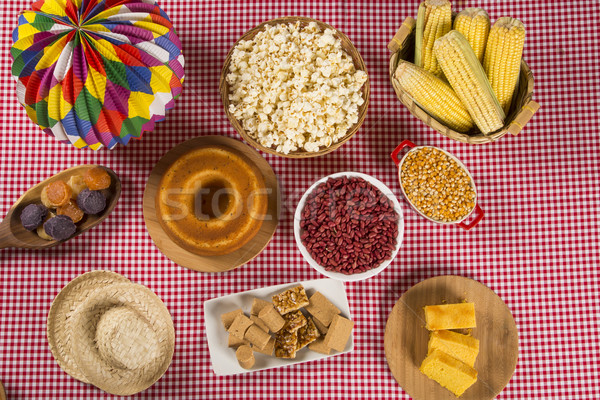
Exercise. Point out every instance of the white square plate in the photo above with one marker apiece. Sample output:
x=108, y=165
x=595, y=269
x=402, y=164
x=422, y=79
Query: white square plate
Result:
x=223, y=358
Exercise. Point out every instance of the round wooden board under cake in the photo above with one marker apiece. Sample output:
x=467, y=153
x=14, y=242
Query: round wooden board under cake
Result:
x=406, y=338
x=219, y=263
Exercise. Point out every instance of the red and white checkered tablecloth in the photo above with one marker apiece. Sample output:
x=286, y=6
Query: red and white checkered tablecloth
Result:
x=537, y=248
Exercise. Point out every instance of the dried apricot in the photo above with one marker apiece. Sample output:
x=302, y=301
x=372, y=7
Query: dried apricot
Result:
x=71, y=210
x=96, y=178
x=56, y=194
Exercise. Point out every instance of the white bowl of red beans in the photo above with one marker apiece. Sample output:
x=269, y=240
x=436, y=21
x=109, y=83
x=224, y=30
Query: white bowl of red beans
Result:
x=349, y=226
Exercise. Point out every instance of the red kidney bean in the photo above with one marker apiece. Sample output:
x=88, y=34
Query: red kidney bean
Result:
x=348, y=226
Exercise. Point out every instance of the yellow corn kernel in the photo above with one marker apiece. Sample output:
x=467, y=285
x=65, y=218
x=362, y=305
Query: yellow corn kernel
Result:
x=437, y=185
x=467, y=78
x=435, y=96
x=502, y=59
x=474, y=24
x=434, y=20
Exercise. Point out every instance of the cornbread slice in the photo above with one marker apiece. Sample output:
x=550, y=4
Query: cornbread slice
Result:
x=257, y=305
x=291, y=300
x=450, y=316
x=449, y=372
x=239, y=326
x=319, y=346
x=307, y=334
x=321, y=308
x=462, y=347
x=339, y=332
x=228, y=318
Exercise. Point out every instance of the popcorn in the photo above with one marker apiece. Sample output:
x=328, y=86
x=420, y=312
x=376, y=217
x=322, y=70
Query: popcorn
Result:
x=294, y=87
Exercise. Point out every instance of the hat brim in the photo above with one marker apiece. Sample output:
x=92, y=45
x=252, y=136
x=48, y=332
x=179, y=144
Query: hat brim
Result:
x=98, y=370
x=58, y=324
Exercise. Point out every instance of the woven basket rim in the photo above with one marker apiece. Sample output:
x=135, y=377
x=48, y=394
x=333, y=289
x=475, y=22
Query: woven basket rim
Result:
x=351, y=50
x=59, y=317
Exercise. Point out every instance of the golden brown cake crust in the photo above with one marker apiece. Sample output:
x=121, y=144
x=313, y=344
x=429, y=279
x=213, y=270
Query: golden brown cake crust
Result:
x=185, y=205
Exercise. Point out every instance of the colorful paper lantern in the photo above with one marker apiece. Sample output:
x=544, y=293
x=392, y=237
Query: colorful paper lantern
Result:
x=96, y=73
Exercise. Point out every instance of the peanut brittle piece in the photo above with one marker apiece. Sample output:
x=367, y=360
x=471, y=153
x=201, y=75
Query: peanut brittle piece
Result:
x=285, y=344
x=307, y=334
x=294, y=321
x=291, y=300
x=282, y=352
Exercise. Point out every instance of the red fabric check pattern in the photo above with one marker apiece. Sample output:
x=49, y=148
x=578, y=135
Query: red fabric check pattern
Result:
x=537, y=246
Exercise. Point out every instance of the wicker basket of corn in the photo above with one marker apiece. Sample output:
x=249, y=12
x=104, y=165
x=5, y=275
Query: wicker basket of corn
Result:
x=466, y=81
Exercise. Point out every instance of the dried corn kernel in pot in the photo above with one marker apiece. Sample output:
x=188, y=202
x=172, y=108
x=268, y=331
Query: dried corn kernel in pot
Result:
x=436, y=185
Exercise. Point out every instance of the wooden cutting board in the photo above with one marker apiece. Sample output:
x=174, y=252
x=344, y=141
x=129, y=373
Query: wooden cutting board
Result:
x=211, y=263
x=2, y=392
x=406, y=338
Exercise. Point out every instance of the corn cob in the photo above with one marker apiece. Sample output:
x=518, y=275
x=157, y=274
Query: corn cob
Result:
x=467, y=78
x=474, y=24
x=435, y=96
x=434, y=20
x=502, y=59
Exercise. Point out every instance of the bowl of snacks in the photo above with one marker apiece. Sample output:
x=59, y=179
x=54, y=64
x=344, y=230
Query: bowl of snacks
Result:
x=461, y=75
x=61, y=207
x=437, y=185
x=349, y=226
x=295, y=87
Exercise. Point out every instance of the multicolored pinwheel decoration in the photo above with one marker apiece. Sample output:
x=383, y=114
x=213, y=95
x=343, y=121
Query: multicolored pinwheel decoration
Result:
x=96, y=72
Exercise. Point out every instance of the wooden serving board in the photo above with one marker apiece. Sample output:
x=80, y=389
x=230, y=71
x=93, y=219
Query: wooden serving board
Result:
x=2, y=392
x=406, y=338
x=211, y=263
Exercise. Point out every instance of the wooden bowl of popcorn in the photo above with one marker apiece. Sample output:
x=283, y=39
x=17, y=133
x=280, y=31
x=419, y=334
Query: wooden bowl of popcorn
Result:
x=295, y=87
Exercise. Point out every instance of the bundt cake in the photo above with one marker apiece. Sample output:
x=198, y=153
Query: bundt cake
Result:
x=212, y=200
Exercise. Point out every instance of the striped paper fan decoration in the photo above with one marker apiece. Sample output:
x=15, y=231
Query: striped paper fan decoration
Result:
x=96, y=73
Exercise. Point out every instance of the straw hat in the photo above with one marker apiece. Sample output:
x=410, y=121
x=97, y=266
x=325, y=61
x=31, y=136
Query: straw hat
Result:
x=58, y=327
x=118, y=336
x=122, y=338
